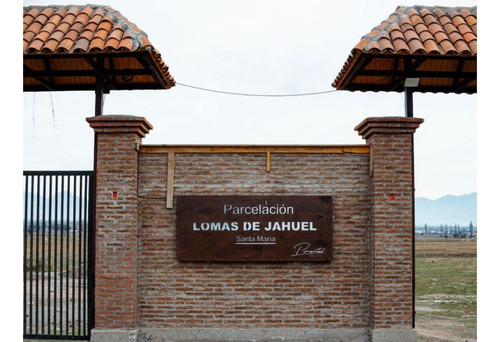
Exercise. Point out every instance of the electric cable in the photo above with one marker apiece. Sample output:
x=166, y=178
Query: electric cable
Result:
x=254, y=95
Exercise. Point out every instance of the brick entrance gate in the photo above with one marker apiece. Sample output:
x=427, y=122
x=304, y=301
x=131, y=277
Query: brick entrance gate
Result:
x=144, y=293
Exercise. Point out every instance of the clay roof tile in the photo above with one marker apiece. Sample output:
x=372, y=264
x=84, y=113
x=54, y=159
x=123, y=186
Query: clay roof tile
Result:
x=63, y=27
x=401, y=46
x=438, y=12
x=441, y=36
x=82, y=18
x=32, y=13
x=50, y=46
x=54, y=20
x=445, y=20
x=61, y=12
x=126, y=42
x=470, y=37
x=85, y=28
x=77, y=26
x=410, y=34
x=112, y=44
x=471, y=20
x=473, y=47
x=433, y=30
x=96, y=44
x=36, y=45
x=447, y=47
x=28, y=36
x=66, y=44
x=416, y=46
x=116, y=33
x=431, y=46
x=81, y=45
x=462, y=47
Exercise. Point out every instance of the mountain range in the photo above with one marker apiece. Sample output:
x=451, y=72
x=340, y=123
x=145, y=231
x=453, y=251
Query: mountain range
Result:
x=448, y=210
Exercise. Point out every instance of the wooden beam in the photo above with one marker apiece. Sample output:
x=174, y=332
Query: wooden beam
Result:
x=276, y=149
x=146, y=61
x=170, y=180
x=89, y=73
x=420, y=74
x=421, y=89
x=45, y=84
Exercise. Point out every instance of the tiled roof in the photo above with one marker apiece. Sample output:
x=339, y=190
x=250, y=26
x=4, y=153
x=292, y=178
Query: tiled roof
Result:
x=424, y=32
x=76, y=30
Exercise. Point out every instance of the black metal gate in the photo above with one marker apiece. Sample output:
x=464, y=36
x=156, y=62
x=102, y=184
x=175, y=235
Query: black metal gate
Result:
x=58, y=254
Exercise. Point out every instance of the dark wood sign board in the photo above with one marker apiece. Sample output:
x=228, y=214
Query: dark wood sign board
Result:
x=254, y=228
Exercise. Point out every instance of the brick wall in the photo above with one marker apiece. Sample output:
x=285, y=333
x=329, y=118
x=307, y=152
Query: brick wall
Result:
x=255, y=295
x=367, y=287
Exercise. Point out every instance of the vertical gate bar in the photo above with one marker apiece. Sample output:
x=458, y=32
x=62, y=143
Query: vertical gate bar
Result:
x=25, y=250
x=68, y=187
x=42, y=280
x=80, y=208
x=91, y=253
x=85, y=267
x=73, y=257
x=56, y=190
x=25, y=245
x=49, y=255
x=61, y=268
x=37, y=250
x=32, y=209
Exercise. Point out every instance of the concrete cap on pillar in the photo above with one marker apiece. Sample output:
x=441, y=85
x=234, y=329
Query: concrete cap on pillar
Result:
x=120, y=124
x=387, y=125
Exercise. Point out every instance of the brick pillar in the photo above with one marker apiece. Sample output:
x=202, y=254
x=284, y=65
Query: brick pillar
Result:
x=117, y=137
x=392, y=231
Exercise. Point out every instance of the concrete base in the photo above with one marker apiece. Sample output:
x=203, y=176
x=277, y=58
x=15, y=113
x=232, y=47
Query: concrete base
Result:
x=113, y=335
x=252, y=335
x=390, y=335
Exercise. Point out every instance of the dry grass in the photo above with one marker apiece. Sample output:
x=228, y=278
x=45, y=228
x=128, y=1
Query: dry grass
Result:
x=446, y=289
x=445, y=248
x=51, y=253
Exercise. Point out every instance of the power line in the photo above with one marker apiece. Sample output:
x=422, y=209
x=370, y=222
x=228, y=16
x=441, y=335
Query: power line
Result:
x=255, y=95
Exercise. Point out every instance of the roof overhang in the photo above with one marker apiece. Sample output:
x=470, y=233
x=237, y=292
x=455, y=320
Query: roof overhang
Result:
x=69, y=48
x=435, y=44
x=388, y=72
x=81, y=71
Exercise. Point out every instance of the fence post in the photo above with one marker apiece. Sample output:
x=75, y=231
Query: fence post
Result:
x=392, y=231
x=116, y=213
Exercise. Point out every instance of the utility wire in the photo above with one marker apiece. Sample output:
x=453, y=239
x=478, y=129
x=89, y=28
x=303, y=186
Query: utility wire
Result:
x=383, y=79
x=255, y=95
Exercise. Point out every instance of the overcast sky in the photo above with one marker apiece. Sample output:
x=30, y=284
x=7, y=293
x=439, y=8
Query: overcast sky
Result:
x=257, y=47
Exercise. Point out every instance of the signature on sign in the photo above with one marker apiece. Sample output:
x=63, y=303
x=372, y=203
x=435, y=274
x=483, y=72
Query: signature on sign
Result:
x=304, y=248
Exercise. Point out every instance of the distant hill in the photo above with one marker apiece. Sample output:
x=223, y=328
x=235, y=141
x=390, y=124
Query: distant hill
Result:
x=448, y=210
x=66, y=209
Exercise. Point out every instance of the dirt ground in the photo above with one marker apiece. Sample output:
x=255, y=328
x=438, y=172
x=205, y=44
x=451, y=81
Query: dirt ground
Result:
x=433, y=328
